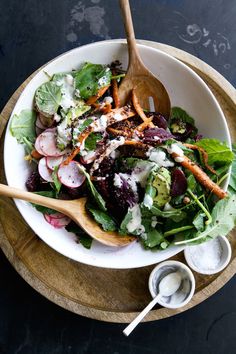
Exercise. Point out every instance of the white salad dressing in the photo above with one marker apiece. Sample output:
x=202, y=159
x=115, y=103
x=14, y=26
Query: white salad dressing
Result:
x=135, y=224
x=108, y=99
x=100, y=124
x=159, y=157
x=67, y=89
x=148, y=202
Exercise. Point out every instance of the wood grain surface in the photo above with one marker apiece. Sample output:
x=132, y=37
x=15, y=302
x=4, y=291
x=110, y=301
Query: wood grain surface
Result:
x=103, y=294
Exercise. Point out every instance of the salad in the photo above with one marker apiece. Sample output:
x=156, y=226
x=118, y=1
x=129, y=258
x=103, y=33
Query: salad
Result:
x=143, y=174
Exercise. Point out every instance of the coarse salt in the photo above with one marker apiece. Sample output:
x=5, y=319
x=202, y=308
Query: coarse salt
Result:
x=206, y=256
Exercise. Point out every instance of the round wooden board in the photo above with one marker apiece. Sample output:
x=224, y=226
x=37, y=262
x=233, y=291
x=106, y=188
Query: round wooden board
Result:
x=103, y=294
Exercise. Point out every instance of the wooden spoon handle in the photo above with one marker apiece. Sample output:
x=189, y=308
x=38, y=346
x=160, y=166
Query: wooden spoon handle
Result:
x=134, y=57
x=30, y=197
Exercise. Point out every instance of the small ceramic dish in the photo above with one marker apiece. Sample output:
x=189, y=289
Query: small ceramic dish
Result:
x=224, y=257
x=187, y=287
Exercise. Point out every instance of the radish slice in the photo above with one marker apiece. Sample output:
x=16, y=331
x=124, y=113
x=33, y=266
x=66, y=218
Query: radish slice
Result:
x=57, y=222
x=53, y=162
x=70, y=175
x=47, y=143
x=44, y=172
x=37, y=146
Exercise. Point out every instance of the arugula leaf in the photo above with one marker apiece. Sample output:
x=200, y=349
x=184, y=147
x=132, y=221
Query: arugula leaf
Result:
x=232, y=182
x=174, y=214
x=218, y=152
x=198, y=221
x=23, y=126
x=48, y=98
x=42, y=209
x=57, y=183
x=90, y=78
x=223, y=220
x=123, y=226
x=91, y=141
x=83, y=238
x=97, y=196
x=102, y=218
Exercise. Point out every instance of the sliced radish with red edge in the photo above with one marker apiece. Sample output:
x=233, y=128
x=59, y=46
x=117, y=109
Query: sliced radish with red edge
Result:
x=47, y=143
x=57, y=222
x=53, y=162
x=70, y=175
x=37, y=146
x=44, y=172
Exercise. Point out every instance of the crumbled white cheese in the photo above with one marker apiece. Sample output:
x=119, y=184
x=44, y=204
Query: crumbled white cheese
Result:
x=77, y=93
x=67, y=90
x=135, y=224
x=118, y=117
x=100, y=124
x=153, y=224
x=159, y=157
x=174, y=148
x=148, y=201
x=102, y=81
x=117, y=180
x=168, y=207
x=70, y=79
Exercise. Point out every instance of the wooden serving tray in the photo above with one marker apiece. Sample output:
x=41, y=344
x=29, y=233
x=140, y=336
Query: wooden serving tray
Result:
x=103, y=294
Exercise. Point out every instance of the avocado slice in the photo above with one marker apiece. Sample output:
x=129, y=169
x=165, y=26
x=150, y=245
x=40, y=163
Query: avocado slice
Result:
x=162, y=183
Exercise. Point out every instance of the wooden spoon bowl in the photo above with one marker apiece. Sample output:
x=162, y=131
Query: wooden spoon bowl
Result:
x=76, y=210
x=138, y=77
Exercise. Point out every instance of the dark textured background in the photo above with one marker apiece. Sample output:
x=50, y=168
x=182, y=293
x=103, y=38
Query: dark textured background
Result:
x=33, y=32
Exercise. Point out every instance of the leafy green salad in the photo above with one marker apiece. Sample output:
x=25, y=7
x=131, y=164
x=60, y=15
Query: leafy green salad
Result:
x=144, y=174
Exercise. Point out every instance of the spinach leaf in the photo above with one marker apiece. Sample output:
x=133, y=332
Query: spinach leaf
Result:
x=199, y=221
x=218, y=152
x=223, y=220
x=178, y=113
x=23, y=126
x=173, y=214
x=57, y=183
x=42, y=209
x=91, y=141
x=102, y=218
x=90, y=78
x=152, y=238
x=48, y=98
x=97, y=196
x=83, y=238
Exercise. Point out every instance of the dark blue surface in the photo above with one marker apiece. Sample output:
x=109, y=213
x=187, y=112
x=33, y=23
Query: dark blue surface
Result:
x=33, y=32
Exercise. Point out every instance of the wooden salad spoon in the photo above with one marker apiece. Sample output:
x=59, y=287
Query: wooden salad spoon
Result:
x=138, y=77
x=76, y=210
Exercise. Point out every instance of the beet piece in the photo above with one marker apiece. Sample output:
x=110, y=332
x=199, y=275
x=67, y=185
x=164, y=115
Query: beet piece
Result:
x=156, y=135
x=158, y=120
x=33, y=182
x=179, y=183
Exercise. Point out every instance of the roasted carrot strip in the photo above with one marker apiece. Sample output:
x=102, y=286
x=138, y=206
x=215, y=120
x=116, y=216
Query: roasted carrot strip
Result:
x=115, y=93
x=140, y=111
x=145, y=124
x=36, y=155
x=100, y=93
x=82, y=137
x=118, y=132
x=136, y=143
x=203, y=153
x=200, y=176
x=107, y=108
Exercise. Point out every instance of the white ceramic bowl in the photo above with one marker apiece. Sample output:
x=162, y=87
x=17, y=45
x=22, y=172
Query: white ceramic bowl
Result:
x=186, y=89
x=224, y=260
x=188, y=283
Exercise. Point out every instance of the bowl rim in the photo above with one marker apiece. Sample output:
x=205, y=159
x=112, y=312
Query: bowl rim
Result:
x=95, y=44
x=223, y=264
x=180, y=265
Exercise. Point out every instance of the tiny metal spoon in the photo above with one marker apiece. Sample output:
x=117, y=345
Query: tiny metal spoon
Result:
x=138, y=77
x=76, y=210
x=167, y=287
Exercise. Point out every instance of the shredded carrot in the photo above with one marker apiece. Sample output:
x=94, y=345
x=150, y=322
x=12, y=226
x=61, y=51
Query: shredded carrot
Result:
x=136, y=143
x=201, y=176
x=203, y=153
x=107, y=108
x=36, y=155
x=92, y=100
x=140, y=111
x=82, y=137
x=115, y=93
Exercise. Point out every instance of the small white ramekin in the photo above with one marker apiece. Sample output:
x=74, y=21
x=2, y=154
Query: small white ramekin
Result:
x=225, y=258
x=169, y=267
